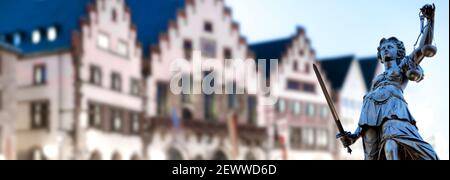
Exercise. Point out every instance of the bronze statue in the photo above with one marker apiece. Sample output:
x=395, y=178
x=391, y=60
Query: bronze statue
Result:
x=386, y=125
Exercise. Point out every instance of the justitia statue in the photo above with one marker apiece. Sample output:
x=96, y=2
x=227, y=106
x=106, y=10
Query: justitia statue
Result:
x=386, y=126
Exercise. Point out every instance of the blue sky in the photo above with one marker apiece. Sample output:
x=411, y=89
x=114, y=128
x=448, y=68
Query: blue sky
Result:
x=356, y=27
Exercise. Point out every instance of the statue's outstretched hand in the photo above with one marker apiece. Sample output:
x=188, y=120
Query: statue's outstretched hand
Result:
x=428, y=10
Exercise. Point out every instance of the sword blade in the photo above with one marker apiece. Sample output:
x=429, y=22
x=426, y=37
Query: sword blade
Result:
x=330, y=103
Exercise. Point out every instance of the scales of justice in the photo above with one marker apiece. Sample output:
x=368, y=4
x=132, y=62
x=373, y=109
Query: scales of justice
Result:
x=386, y=126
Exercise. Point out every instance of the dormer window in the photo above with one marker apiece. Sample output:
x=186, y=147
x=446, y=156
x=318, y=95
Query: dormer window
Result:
x=52, y=33
x=17, y=39
x=36, y=36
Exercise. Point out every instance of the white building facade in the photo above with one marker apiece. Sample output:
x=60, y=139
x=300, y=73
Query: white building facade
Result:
x=299, y=125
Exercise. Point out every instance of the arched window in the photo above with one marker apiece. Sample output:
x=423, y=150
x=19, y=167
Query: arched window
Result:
x=219, y=155
x=174, y=154
x=37, y=154
x=135, y=157
x=250, y=156
x=96, y=156
x=198, y=158
x=116, y=156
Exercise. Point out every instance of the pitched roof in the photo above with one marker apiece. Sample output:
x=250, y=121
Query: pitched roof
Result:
x=152, y=18
x=336, y=69
x=273, y=49
x=24, y=16
x=368, y=67
x=8, y=47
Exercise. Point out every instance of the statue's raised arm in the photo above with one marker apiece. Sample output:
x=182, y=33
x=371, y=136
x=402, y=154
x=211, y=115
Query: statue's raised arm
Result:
x=425, y=48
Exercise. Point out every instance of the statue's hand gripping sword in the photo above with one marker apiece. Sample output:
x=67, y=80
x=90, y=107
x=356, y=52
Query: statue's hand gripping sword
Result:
x=331, y=105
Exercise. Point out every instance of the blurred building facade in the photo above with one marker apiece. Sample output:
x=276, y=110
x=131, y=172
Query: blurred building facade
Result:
x=8, y=101
x=204, y=124
x=351, y=78
x=299, y=125
x=90, y=79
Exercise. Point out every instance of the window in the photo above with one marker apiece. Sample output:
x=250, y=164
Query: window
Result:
x=301, y=52
x=17, y=39
x=296, y=108
x=322, y=138
x=281, y=106
x=134, y=123
x=103, y=41
x=135, y=87
x=36, y=36
x=187, y=47
x=161, y=98
x=208, y=48
x=232, y=100
x=51, y=34
x=310, y=110
x=209, y=102
x=187, y=86
x=39, y=115
x=324, y=111
x=307, y=68
x=8, y=38
x=116, y=82
x=227, y=54
x=116, y=120
x=309, y=87
x=251, y=109
x=208, y=27
x=307, y=137
x=122, y=48
x=114, y=15
x=94, y=116
x=95, y=75
x=295, y=135
x=293, y=85
x=39, y=75
x=174, y=154
x=295, y=66
x=209, y=107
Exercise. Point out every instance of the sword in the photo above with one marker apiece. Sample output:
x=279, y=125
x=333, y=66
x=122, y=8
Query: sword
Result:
x=331, y=105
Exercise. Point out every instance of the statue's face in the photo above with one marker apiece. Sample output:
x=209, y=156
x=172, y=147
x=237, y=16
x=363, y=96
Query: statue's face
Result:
x=388, y=51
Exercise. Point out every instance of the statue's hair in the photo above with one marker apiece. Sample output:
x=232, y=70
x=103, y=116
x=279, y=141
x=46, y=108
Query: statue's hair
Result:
x=401, y=50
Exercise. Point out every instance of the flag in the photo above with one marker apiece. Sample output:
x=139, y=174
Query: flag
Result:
x=175, y=120
x=283, y=147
